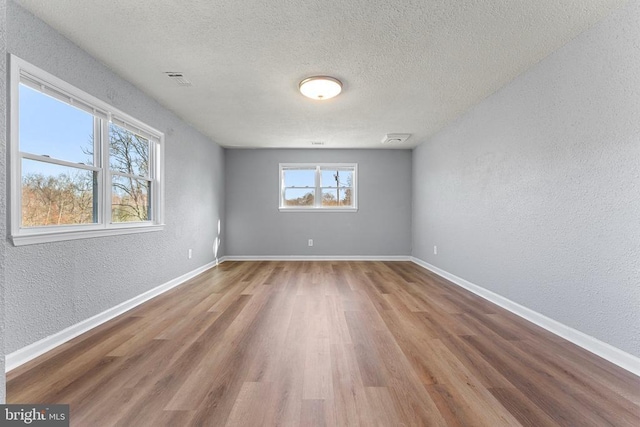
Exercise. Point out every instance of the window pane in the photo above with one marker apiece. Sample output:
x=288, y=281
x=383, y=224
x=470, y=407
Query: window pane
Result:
x=129, y=199
x=57, y=195
x=337, y=197
x=52, y=128
x=336, y=177
x=299, y=197
x=299, y=178
x=128, y=152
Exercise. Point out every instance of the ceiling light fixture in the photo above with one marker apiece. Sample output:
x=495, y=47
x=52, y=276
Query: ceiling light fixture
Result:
x=320, y=87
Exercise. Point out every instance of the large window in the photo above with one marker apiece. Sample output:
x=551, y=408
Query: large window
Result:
x=79, y=167
x=312, y=187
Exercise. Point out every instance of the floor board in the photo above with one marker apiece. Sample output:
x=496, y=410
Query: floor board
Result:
x=328, y=344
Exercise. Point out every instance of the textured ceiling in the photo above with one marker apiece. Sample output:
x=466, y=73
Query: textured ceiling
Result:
x=407, y=66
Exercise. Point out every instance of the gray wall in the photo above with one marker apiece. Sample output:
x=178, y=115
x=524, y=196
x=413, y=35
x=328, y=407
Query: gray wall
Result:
x=3, y=181
x=53, y=286
x=255, y=226
x=535, y=193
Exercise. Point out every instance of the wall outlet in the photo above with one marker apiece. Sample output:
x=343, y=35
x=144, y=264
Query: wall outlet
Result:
x=190, y=253
x=435, y=250
x=310, y=242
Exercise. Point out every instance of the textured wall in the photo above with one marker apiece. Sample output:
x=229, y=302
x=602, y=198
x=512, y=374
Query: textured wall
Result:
x=3, y=181
x=255, y=226
x=535, y=193
x=52, y=286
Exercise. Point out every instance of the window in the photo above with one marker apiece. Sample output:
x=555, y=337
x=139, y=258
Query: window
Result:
x=79, y=167
x=312, y=187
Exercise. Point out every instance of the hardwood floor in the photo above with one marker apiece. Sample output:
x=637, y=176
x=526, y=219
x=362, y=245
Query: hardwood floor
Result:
x=325, y=343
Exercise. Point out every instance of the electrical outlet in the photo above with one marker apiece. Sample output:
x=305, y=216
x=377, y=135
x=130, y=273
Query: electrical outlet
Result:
x=190, y=253
x=310, y=242
x=435, y=250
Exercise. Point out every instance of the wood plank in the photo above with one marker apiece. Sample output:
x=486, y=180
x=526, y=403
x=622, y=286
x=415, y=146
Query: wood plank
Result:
x=525, y=411
x=313, y=413
x=350, y=404
x=325, y=343
x=383, y=411
x=250, y=406
x=372, y=371
x=318, y=381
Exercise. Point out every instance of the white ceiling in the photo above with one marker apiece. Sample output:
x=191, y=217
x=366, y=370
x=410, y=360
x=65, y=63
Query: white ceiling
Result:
x=408, y=66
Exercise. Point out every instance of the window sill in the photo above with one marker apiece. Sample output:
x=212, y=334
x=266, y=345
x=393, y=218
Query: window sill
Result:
x=60, y=236
x=340, y=210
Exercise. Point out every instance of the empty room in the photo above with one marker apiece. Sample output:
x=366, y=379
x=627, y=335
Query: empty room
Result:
x=320, y=213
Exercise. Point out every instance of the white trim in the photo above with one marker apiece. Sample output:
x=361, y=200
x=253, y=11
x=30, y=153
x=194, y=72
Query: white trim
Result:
x=58, y=162
x=59, y=236
x=132, y=176
x=614, y=355
x=19, y=67
x=318, y=167
x=316, y=258
x=25, y=354
x=103, y=113
x=323, y=210
x=13, y=145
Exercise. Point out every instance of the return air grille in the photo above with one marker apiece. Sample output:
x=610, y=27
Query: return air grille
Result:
x=395, y=138
x=178, y=77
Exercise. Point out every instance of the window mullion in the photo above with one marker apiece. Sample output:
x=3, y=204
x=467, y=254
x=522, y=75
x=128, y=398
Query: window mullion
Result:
x=80, y=204
x=282, y=186
x=54, y=161
x=106, y=173
x=318, y=198
x=158, y=163
x=317, y=204
x=129, y=175
x=97, y=184
x=152, y=197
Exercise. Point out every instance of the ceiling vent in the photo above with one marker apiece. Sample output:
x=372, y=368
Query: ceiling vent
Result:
x=395, y=138
x=178, y=77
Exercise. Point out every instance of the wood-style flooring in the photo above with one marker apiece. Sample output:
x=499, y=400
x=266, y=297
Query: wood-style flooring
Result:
x=325, y=343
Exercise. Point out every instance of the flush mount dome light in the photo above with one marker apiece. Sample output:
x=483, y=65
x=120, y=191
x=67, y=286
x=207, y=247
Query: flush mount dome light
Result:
x=320, y=87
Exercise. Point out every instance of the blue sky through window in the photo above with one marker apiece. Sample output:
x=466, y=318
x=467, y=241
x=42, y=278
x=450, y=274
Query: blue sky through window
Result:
x=300, y=178
x=306, y=177
x=44, y=129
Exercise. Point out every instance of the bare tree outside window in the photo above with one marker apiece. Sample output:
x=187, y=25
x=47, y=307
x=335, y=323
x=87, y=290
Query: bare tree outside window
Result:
x=63, y=195
x=330, y=186
x=305, y=200
x=62, y=199
x=80, y=167
x=129, y=163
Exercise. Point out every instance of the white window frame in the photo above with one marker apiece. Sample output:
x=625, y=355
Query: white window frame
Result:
x=318, y=188
x=103, y=113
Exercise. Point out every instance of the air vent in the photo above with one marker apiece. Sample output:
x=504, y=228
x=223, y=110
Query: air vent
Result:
x=395, y=138
x=178, y=77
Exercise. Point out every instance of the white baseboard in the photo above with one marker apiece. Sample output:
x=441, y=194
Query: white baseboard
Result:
x=25, y=354
x=614, y=355
x=317, y=258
